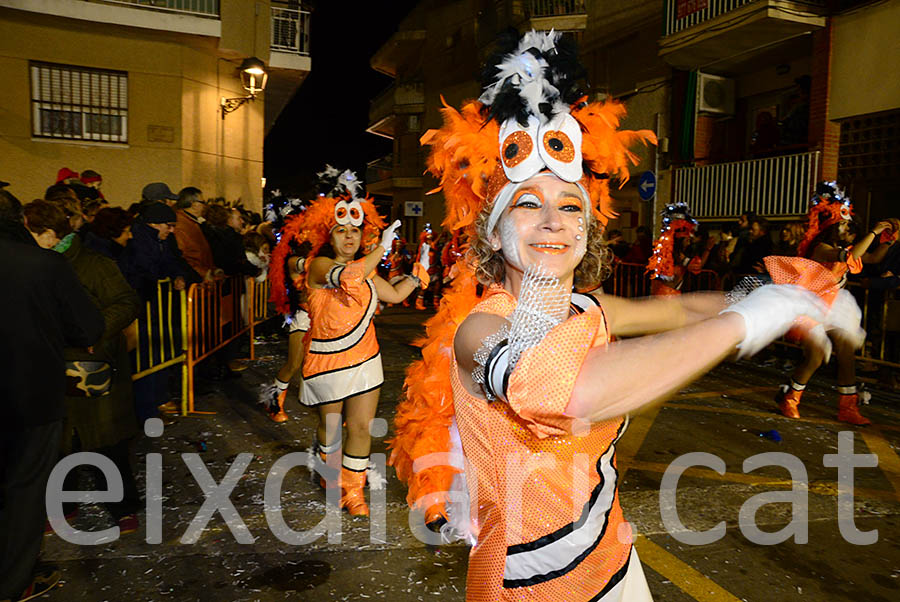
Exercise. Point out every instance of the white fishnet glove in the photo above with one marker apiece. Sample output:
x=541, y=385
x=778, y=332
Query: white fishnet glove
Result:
x=425, y=256
x=388, y=235
x=769, y=311
x=845, y=317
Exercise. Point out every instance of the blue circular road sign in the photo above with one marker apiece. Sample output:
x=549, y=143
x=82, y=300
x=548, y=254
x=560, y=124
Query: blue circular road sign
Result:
x=647, y=185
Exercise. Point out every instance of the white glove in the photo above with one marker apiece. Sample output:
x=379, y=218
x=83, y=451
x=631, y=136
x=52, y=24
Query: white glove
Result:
x=845, y=317
x=389, y=234
x=770, y=311
x=425, y=256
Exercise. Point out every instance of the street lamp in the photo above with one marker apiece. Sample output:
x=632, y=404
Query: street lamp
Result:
x=253, y=79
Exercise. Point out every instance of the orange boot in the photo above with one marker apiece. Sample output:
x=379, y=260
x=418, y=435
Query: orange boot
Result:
x=420, y=302
x=435, y=517
x=788, y=398
x=276, y=411
x=272, y=399
x=848, y=408
x=319, y=458
x=352, y=496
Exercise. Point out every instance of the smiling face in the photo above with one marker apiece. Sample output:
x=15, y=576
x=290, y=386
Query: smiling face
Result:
x=345, y=241
x=544, y=223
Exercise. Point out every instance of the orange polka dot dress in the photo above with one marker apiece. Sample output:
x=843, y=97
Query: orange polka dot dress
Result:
x=543, y=487
x=342, y=355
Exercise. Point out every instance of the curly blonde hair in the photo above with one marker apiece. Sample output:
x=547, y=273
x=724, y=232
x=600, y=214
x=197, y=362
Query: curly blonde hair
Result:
x=490, y=268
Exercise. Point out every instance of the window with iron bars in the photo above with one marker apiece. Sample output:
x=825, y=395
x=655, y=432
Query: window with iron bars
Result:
x=79, y=103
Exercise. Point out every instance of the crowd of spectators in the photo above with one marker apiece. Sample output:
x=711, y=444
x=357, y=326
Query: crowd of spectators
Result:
x=736, y=249
x=79, y=274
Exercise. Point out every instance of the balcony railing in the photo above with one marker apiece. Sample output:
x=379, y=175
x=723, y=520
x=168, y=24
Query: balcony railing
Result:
x=681, y=14
x=555, y=8
x=203, y=8
x=290, y=30
x=770, y=187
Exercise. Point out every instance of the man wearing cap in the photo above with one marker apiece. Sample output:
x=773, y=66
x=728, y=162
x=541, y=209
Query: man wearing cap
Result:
x=158, y=192
x=152, y=255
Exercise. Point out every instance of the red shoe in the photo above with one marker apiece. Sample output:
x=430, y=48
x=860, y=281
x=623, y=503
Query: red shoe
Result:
x=128, y=524
x=788, y=399
x=848, y=410
x=352, y=496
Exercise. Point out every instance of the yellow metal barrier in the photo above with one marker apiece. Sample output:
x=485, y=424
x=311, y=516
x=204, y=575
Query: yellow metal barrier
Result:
x=218, y=312
x=260, y=309
x=160, y=337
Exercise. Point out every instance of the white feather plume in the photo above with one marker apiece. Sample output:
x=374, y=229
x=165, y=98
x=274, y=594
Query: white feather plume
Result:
x=349, y=181
x=329, y=172
x=526, y=71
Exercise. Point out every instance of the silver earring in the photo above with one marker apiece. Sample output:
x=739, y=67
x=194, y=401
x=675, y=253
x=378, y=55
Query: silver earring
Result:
x=578, y=237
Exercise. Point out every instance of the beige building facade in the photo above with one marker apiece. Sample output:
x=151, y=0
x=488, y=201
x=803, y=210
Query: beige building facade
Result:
x=133, y=90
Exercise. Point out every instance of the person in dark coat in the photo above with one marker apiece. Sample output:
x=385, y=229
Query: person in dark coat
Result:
x=99, y=401
x=758, y=247
x=110, y=232
x=150, y=256
x=153, y=255
x=46, y=310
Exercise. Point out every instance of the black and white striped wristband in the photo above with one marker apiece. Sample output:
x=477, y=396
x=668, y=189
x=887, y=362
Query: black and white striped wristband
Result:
x=333, y=279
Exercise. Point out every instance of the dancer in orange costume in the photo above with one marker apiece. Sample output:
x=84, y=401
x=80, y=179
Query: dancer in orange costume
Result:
x=827, y=252
x=520, y=381
x=395, y=264
x=342, y=372
x=450, y=254
x=287, y=295
x=669, y=263
x=426, y=247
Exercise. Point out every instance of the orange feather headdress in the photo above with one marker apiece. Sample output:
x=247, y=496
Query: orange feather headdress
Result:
x=677, y=223
x=314, y=225
x=828, y=206
x=531, y=118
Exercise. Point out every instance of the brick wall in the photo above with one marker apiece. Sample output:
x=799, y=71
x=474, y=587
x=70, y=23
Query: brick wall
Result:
x=824, y=135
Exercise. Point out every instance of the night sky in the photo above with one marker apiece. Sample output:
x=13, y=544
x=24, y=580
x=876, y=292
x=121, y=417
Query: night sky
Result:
x=326, y=120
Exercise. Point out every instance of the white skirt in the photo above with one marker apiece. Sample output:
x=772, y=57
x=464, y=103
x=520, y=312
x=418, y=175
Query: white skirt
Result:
x=339, y=385
x=633, y=588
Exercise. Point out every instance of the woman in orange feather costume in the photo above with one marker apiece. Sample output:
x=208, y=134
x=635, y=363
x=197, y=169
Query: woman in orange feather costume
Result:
x=510, y=419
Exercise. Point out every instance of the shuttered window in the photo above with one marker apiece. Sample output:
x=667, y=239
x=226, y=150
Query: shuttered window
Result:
x=79, y=103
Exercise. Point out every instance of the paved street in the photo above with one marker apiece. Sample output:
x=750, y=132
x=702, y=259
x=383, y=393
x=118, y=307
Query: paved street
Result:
x=723, y=414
